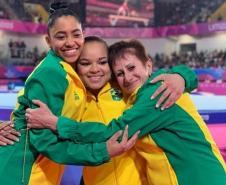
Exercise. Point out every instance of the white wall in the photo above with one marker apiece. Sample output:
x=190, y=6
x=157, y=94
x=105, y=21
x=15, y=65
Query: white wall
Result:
x=153, y=46
x=171, y=44
x=215, y=41
x=183, y=39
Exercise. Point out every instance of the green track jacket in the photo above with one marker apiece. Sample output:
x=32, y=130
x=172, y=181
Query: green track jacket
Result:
x=55, y=83
x=175, y=143
x=107, y=105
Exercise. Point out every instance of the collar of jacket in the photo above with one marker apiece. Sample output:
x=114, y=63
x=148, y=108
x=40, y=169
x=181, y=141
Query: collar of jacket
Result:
x=52, y=55
x=70, y=70
x=103, y=90
x=131, y=98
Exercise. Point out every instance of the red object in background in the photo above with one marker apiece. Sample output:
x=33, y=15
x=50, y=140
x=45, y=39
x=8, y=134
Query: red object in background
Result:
x=224, y=76
x=218, y=132
x=206, y=77
x=212, y=87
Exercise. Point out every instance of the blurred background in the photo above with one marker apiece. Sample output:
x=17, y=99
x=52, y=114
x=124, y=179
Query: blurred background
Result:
x=173, y=31
x=191, y=32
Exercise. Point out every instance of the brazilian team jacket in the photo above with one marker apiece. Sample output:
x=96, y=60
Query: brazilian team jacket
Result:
x=107, y=105
x=55, y=83
x=120, y=170
x=175, y=144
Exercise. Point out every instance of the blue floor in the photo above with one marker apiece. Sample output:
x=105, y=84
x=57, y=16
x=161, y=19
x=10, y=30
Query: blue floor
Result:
x=72, y=175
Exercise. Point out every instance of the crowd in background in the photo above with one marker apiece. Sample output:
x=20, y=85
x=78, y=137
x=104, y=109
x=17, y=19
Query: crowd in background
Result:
x=202, y=59
x=3, y=13
x=20, y=54
x=184, y=12
x=166, y=13
x=18, y=50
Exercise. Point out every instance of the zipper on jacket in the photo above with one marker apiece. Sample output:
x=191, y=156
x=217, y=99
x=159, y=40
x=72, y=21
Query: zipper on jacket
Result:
x=101, y=112
x=105, y=121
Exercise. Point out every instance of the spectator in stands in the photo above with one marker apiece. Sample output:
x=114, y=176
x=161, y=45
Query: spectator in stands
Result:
x=22, y=49
x=18, y=51
x=12, y=48
x=170, y=146
x=35, y=54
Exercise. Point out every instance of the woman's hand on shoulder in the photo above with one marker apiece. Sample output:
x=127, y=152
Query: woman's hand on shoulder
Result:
x=171, y=89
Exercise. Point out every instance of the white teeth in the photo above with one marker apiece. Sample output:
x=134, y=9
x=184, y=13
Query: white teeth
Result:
x=70, y=51
x=95, y=77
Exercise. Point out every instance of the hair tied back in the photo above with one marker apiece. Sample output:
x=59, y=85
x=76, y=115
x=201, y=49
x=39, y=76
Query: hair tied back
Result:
x=57, y=6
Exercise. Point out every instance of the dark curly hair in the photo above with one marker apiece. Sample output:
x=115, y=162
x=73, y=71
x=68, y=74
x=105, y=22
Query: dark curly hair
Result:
x=59, y=8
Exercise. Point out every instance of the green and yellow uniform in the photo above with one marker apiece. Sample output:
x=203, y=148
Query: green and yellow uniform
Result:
x=120, y=170
x=108, y=104
x=175, y=143
x=55, y=83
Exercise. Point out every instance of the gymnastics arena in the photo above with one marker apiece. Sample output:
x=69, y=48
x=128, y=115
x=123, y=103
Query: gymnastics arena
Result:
x=171, y=37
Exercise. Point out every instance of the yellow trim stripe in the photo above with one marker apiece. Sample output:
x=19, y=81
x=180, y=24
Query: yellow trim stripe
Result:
x=192, y=111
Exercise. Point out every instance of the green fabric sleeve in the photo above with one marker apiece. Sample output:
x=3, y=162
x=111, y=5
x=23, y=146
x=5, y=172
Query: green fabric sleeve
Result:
x=191, y=80
x=142, y=116
x=45, y=141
